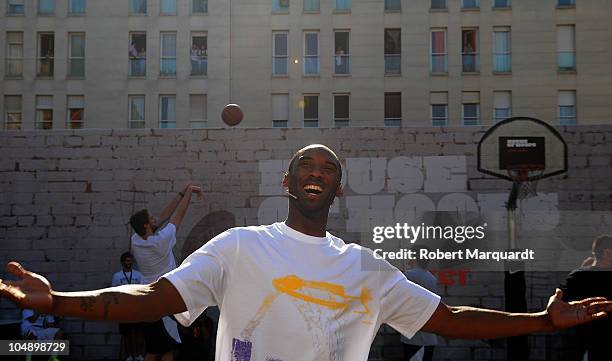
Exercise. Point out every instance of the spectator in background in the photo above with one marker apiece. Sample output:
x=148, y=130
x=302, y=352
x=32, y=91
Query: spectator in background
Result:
x=132, y=334
x=40, y=327
x=594, y=277
x=417, y=272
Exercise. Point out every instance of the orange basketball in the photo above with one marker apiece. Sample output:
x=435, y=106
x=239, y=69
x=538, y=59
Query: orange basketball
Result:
x=232, y=114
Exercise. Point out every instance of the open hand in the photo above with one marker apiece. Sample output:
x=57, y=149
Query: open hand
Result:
x=568, y=314
x=30, y=291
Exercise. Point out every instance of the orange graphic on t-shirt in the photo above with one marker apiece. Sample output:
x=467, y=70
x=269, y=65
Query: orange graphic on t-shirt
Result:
x=338, y=299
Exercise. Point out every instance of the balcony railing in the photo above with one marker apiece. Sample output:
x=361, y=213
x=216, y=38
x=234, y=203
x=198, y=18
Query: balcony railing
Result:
x=439, y=63
x=167, y=67
x=566, y=60
x=311, y=65
x=138, y=67
x=342, y=64
x=280, y=65
x=502, y=63
x=393, y=64
x=470, y=62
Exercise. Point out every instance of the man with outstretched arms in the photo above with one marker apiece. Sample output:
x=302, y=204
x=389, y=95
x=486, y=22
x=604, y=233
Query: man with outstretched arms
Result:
x=293, y=286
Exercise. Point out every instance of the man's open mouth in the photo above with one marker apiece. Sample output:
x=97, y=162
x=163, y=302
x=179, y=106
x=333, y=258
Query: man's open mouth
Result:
x=313, y=189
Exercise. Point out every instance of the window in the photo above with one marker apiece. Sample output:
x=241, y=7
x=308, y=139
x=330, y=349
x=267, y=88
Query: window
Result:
x=167, y=7
x=199, y=6
x=311, y=111
x=280, y=6
x=341, y=110
x=438, y=4
x=280, y=56
x=342, y=5
x=280, y=110
x=77, y=7
x=14, y=54
x=469, y=50
x=76, y=55
x=12, y=112
x=136, y=111
x=439, y=56
x=471, y=108
x=199, y=54
x=46, y=7
x=393, y=109
x=137, y=7
x=167, y=60
x=501, y=4
x=197, y=106
x=393, y=51
x=439, y=108
x=46, y=54
x=311, y=53
x=44, y=112
x=470, y=4
x=566, y=3
x=167, y=111
x=342, y=58
x=567, y=107
x=393, y=5
x=566, y=47
x=312, y=6
x=75, y=111
x=15, y=7
x=502, y=105
x=137, y=53
x=502, y=58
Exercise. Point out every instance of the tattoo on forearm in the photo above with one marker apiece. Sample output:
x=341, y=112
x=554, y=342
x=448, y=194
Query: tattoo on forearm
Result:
x=87, y=304
x=109, y=299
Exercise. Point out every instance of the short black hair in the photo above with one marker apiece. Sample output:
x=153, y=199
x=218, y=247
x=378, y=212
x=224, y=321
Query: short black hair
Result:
x=601, y=243
x=297, y=155
x=125, y=255
x=138, y=221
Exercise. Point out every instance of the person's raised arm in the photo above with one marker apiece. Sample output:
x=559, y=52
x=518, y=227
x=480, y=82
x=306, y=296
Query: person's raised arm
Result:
x=477, y=323
x=177, y=217
x=128, y=303
x=170, y=207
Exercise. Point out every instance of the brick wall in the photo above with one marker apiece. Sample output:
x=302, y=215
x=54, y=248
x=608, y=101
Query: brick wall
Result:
x=66, y=197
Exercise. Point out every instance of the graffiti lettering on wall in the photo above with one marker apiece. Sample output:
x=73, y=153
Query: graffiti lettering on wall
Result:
x=382, y=191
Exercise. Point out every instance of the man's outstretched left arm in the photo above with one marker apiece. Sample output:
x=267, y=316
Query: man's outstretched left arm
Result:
x=477, y=323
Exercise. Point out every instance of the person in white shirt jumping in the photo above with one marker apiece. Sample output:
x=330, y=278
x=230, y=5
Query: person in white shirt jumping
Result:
x=152, y=244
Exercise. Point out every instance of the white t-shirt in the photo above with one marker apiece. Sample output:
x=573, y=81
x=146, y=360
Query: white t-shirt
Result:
x=154, y=254
x=37, y=328
x=155, y=258
x=288, y=296
x=125, y=278
x=423, y=278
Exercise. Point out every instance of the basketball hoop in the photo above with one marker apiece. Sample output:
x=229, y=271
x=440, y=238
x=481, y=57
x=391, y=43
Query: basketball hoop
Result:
x=522, y=150
x=526, y=179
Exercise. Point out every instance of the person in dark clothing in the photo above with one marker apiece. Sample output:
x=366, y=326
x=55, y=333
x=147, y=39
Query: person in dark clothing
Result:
x=590, y=280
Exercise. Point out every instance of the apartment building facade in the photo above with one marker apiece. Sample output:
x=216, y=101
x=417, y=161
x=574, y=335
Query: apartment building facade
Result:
x=70, y=64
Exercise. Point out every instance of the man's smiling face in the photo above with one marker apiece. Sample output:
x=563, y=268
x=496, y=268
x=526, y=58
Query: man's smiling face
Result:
x=314, y=178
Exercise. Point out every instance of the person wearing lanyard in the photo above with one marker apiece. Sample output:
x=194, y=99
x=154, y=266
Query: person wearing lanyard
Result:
x=132, y=335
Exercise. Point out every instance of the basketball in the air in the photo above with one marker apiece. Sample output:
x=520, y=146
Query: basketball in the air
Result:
x=232, y=114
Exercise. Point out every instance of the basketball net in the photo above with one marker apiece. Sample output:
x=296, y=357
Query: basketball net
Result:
x=525, y=180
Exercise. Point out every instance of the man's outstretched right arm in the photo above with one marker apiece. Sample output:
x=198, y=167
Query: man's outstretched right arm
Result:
x=128, y=303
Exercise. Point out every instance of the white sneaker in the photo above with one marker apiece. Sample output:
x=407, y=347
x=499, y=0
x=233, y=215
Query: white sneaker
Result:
x=129, y=358
x=140, y=358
